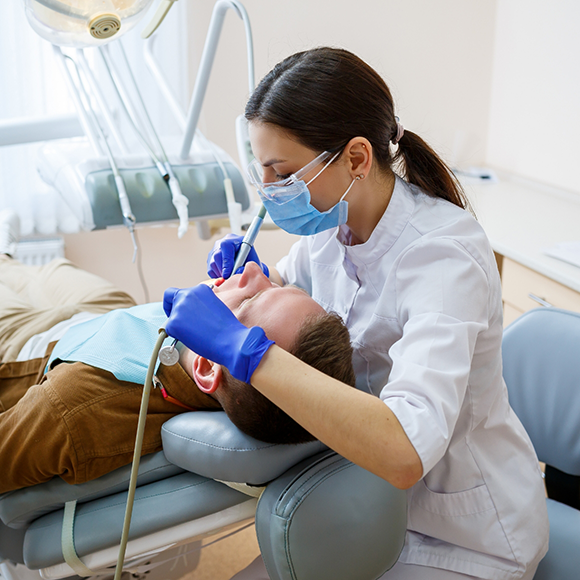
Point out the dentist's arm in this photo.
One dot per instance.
(357, 425)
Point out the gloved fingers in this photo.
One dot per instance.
(220, 260)
(168, 298)
(197, 314)
(228, 259)
(214, 262)
(214, 266)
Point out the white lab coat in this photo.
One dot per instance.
(422, 301)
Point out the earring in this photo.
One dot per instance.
(361, 176)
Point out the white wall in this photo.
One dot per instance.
(484, 81)
(435, 56)
(535, 112)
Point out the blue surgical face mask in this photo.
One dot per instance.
(290, 208)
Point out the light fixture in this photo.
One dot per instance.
(83, 23)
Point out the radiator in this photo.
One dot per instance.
(39, 251)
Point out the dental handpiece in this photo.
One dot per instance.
(249, 239)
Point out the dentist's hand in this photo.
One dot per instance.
(201, 321)
(221, 260)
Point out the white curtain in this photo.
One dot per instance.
(31, 85)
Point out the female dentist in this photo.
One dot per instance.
(389, 245)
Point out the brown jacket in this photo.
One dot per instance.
(79, 422)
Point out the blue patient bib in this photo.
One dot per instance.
(120, 341)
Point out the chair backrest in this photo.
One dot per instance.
(328, 519)
(320, 518)
(541, 367)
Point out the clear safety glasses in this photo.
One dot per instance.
(269, 190)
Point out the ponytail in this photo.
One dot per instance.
(326, 96)
(420, 165)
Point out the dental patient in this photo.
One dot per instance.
(75, 351)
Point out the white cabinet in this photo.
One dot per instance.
(521, 219)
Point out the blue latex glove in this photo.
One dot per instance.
(221, 260)
(201, 321)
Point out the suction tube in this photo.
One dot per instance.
(137, 453)
(243, 252)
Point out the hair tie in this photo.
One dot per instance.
(399, 134)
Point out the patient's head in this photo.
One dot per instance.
(297, 324)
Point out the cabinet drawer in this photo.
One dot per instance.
(518, 282)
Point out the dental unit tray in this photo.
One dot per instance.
(87, 184)
(100, 178)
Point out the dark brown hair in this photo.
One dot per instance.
(324, 343)
(324, 97)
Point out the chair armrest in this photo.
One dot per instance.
(328, 519)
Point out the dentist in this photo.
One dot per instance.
(389, 246)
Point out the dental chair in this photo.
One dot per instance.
(542, 371)
(317, 515)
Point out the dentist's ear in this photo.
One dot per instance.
(358, 154)
(207, 374)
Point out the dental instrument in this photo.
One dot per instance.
(249, 239)
(80, 177)
(128, 216)
(168, 356)
(129, 110)
(179, 201)
(82, 101)
(234, 207)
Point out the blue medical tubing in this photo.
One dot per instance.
(249, 239)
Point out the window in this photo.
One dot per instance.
(33, 87)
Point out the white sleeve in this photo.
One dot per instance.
(442, 297)
(295, 267)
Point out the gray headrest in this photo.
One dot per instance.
(208, 443)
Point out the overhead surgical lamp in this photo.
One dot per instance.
(84, 23)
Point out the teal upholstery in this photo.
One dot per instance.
(541, 358)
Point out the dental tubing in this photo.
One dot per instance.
(137, 453)
(243, 252)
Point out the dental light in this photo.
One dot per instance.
(84, 23)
